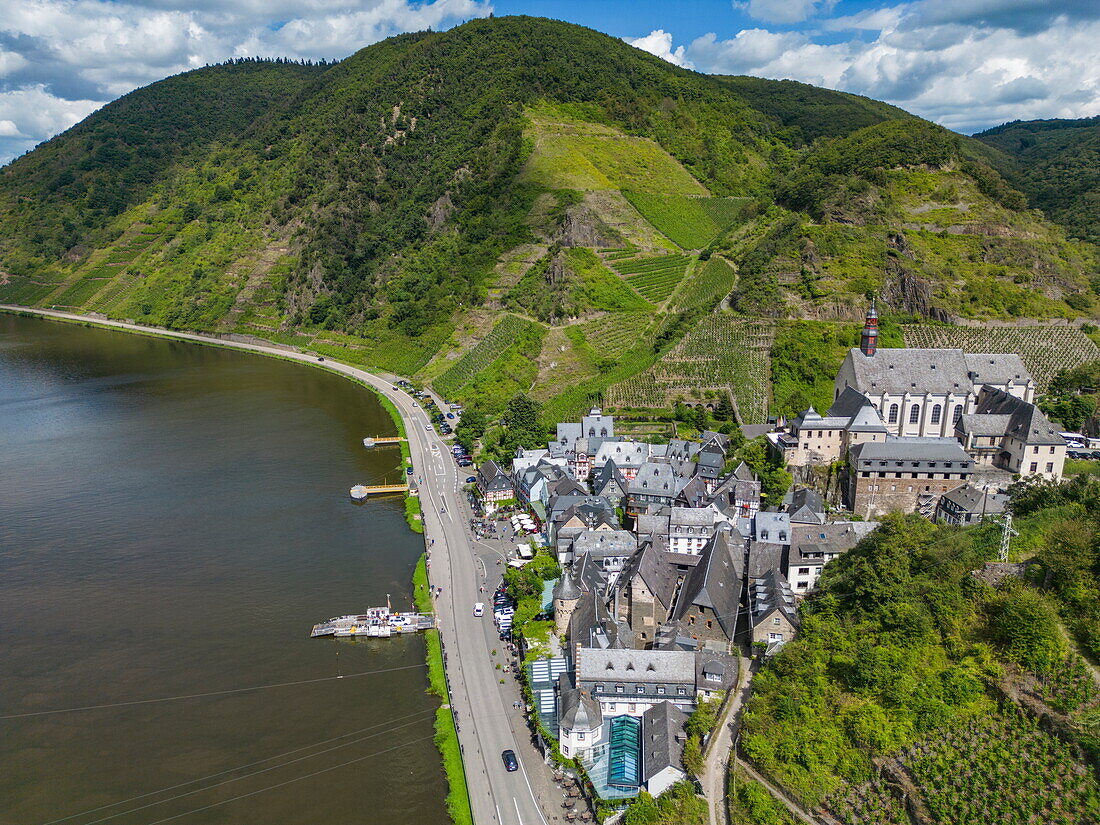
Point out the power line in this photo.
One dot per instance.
(208, 694)
(232, 770)
(291, 781)
(250, 775)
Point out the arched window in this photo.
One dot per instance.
(936, 410)
(893, 414)
(914, 414)
(957, 414)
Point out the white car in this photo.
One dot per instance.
(479, 610)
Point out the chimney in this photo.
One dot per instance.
(868, 341)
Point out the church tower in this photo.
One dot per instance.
(868, 342)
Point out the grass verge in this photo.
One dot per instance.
(446, 737)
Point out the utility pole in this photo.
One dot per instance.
(1006, 536)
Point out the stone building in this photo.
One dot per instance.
(906, 474)
(1011, 434)
(773, 610)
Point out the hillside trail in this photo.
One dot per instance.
(716, 758)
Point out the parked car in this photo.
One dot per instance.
(408, 471)
(510, 762)
(479, 609)
(450, 415)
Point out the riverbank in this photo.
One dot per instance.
(279, 352)
(446, 735)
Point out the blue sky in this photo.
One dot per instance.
(967, 64)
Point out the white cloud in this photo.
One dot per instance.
(783, 11)
(968, 71)
(30, 115)
(659, 42)
(79, 52)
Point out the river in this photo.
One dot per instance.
(173, 520)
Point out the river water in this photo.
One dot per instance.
(173, 520)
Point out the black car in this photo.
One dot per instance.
(510, 762)
(408, 471)
(471, 479)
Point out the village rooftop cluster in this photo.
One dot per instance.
(673, 567)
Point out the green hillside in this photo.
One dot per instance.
(397, 207)
(911, 674)
(1056, 163)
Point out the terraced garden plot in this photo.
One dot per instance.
(79, 292)
(653, 278)
(612, 335)
(708, 283)
(1002, 769)
(689, 222)
(722, 354)
(493, 346)
(1045, 350)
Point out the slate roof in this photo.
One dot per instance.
(623, 453)
(654, 480)
(912, 449)
(772, 526)
(603, 543)
(715, 583)
(806, 506)
(662, 739)
(765, 556)
(718, 664)
(691, 517)
(651, 666)
(971, 499)
(898, 371)
(578, 709)
(694, 493)
(656, 570)
(769, 592)
(605, 476)
(1026, 421)
(983, 425)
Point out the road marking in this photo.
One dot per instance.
(531, 790)
(520, 818)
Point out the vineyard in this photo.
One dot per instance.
(707, 284)
(689, 222)
(868, 804)
(1045, 350)
(998, 768)
(721, 354)
(653, 278)
(612, 335)
(493, 346)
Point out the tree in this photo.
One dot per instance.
(471, 427)
(724, 410)
(693, 756)
(1022, 623)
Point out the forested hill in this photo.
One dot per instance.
(1057, 165)
(446, 205)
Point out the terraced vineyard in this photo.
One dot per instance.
(507, 331)
(724, 353)
(999, 769)
(653, 278)
(1003, 769)
(868, 804)
(707, 284)
(612, 335)
(1044, 349)
(689, 222)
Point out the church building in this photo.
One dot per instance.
(924, 392)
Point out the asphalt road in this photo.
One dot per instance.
(487, 723)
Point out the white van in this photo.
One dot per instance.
(479, 609)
